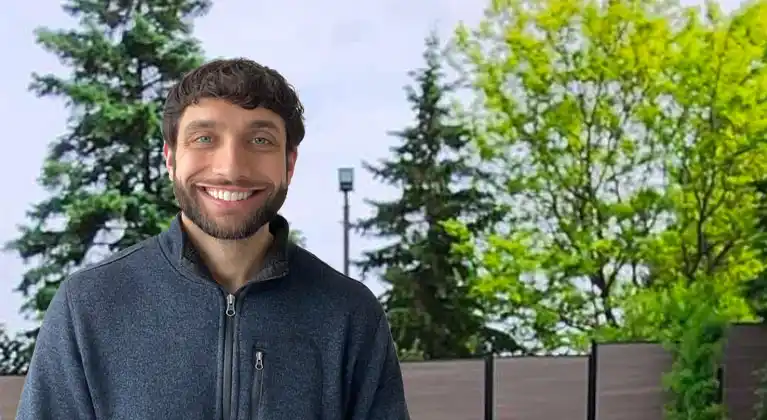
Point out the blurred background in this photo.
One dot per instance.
(523, 183)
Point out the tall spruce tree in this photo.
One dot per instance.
(431, 312)
(15, 353)
(105, 176)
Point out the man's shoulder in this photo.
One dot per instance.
(331, 287)
(115, 266)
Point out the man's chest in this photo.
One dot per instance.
(258, 363)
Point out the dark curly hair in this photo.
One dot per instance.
(242, 82)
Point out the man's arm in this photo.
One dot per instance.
(378, 392)
(55, 386)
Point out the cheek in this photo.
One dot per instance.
(279, 168)
(181, 170)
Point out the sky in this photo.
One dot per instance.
(348, 60)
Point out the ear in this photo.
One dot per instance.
(291, 163)
(168, 155)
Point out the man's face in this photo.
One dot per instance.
(230, 168)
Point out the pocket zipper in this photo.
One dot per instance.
(258, 386)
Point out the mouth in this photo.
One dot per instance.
(229, 195)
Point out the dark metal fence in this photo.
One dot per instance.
(553, 388)
(628, 380)
(616, 381)
(745, 353)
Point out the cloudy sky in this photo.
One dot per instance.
(348, 59)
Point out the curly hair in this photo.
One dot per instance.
(241, 82)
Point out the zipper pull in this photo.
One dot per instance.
(259, 360)
(230, 305)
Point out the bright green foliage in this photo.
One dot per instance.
(690, 322)
(626, 138)
(431, 312)
(105, 176)
(757, 288)
(693, 382)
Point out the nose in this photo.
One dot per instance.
(230, 161)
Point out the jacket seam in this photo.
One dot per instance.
(386, 378)
(111, 259)
(72, 322)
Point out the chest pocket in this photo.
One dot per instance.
(286, 380)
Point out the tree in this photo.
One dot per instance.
(628, 136)
(756, 290)
(431, 311)
(297, 237)
(104, 176)
(15, 353)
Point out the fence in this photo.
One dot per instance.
(616, 381)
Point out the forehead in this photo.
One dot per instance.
(228, 116)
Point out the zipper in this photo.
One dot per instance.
(257, 389)
(229, 353)
(228, 356)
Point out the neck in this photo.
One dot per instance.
(232, 263)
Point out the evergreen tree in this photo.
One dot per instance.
(105, 176)
(297, 237)
(15, 353)
(431, 312)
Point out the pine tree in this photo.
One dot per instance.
(297, 237)
(431, 312)
(15, 353)
(105, 175)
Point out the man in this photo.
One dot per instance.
(220, 316)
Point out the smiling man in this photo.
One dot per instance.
(220, 316)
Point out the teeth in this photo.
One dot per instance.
(228, 195)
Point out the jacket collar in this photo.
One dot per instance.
(175, 240)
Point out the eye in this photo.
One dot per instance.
(203, 139)
(260, 141)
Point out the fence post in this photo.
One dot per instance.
(489, 386)
(591, 394)
(720, 384)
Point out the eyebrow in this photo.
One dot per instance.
(198, 125)
(264, 124)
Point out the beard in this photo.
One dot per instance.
(189, 202)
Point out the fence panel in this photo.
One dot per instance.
(10, 393)
(630, 381)
(541, 388)
(745, 352)
(450, 390)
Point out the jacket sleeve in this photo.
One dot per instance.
(378, 391)
(55, 386)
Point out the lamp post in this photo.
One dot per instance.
(346, 185)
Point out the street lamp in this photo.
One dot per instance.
(346, 185)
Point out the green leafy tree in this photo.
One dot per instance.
(756, 290)
(690, 322)
(432, 313)
(628, 136)
(105, 176)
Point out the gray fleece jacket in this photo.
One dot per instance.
(147, 334)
